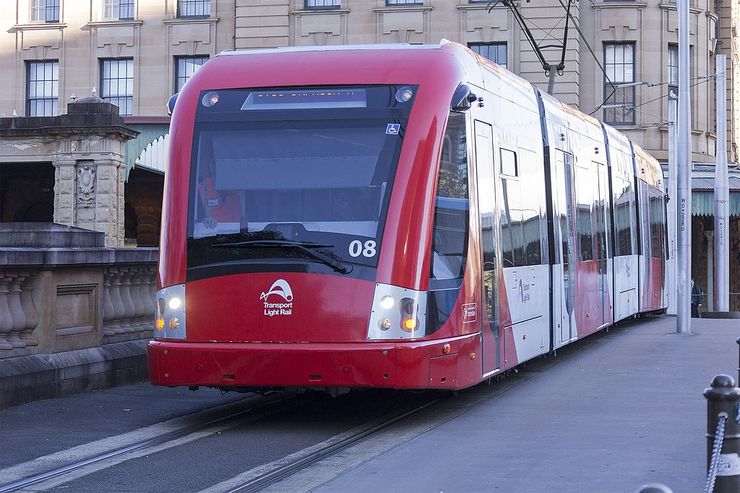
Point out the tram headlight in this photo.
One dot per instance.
(170, 317)
(387, 302)
(210, 99)
(404, 94)
(397, 313)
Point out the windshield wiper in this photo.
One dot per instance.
(304, 246)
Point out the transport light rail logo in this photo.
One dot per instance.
(282, 289)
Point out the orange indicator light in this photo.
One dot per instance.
(410, 324)
(446, 349)
(160, 324)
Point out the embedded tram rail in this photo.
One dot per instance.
(77, 467)
(222, 416)
(278, 473)
(607, 414)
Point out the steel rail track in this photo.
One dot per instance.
(143, 444)
(284, 471)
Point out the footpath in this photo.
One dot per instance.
(608, 414)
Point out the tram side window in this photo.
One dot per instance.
(450, 233)
(657, 225)
(586, 185)
(645, 238)
(624, 214)
(521, 236)
(531, 197)
(512, 237)
(599, 210)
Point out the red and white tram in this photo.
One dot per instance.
(391, 216)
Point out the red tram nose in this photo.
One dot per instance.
(283, 307)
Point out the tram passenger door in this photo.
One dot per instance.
(602, 244)
(564, 225)
(486, 207)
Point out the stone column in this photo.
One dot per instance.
(64, 192)
(99, 198)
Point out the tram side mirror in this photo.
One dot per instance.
(171, 104)
(462, 98)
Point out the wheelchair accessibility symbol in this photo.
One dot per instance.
(393, 129)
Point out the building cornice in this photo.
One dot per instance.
(472, 6)
(99, 24)
(410, 8)
(46, 26)
(319, 11)
(191, 20)
(619, 5)
(672, 6)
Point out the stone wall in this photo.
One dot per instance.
(73, 313)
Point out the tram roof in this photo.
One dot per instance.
(359, 47)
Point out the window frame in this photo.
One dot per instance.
(322, 4)
(628, 99)
(119, 10)
(403, 3)
(194, 4)
(672, 56)
(495, 44)
(178, 59)
(115, 99)
(54, 88)
(37, 7)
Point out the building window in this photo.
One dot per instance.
(404, 2)
(619, 90)
(194, 8)
(673, 69)
(117, 83)
(44, 10)
(43, 88)
(119, 9)
(496, 52)
(185, 67)
(323, 4)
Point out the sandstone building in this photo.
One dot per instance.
(619, 64)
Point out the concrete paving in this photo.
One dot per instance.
(608, 414)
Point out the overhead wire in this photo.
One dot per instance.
(613, 86)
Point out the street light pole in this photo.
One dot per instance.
(721, 199)
(683, 257)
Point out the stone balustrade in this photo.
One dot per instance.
(128, 302)
(62, 290)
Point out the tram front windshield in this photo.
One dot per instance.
(296, 177)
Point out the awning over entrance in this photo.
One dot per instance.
(702, 203)
(150, 150)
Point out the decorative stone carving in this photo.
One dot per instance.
(86, 186)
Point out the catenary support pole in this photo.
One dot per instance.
(721, 199)
(683, 254)
(673, 201)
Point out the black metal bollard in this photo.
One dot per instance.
(723, 435)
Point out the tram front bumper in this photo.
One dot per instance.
(270, 365)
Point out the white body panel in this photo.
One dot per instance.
(527, 291)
